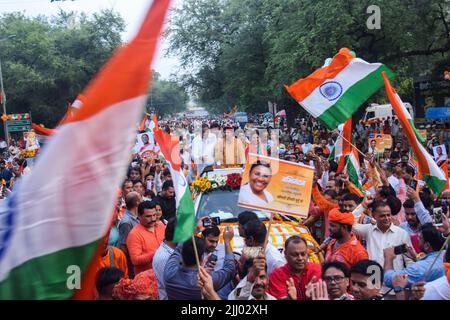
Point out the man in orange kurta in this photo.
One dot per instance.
(145, 238)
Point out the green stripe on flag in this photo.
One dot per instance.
(353, 175)
(185, 218)
(417, 133)
(354, 97)
(46, 277)
(435, 184)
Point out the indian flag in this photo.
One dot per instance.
(342, 145)
(170, 149)
(353, 168)
(334, 92)
(433, 176)
(52, 225)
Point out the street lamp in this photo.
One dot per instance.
(2, 91)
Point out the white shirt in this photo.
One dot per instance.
(438, 289)
(395, 183)
(203, 149)
(3, 145)
(306, 147)
(243, 291)
(246, 195)
(274, 258)
(377, 241)
(160, 259)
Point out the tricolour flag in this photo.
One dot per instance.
(353, 168)
(170, 149)
(334, 92)
(52, 225)
(342, 145)
(433, 176)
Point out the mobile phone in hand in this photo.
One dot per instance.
(401, 249)
(438, 216)
(212, 258)
(413, 184)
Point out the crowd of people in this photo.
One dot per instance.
(385, 244)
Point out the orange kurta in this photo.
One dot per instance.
(142, 245)
(120, 260)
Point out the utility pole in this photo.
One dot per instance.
(2, 91)
(3, 97)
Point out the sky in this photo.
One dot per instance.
(132, 11)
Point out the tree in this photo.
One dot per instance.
(50, 60)
(242, 52)
(166, 97)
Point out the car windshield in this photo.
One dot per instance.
(223, 204)
(370, 115)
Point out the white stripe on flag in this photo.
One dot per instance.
(357, 69)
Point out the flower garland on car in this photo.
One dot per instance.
(222, 182)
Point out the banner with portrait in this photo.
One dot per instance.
(440, 154)
(31, 141)
(379, 142)
(276, 185)
(144, 141)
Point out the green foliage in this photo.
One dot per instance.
(166, 97)
(243, 51)
(48, 61)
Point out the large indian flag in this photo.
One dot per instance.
(433, 176)
(51, 226)
(334, 92)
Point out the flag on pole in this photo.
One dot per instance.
(353, 168)
(334, 92)
(170, 148)
(432, 174)
(52, 225)
(342, 146)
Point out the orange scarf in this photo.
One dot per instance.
(447, 266)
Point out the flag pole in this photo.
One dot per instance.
(196, 252)
(360, 152)
(268, 231)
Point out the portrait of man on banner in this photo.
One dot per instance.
(275, 185)
(440, 154)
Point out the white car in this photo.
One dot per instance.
(224, 204)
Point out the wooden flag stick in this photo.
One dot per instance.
(268, 231)
(360, 152)
(196, 252)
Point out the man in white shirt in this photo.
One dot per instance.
(383, 235)
(306, 147)
(203, 149)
